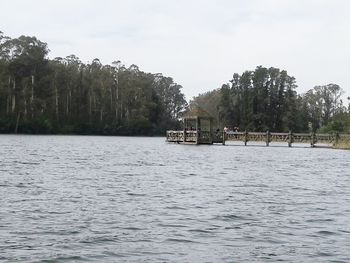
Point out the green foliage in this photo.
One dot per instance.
(333, 127)
(265, 99)
(260, 100)
(209, 101)
(64, 95)
(7, 125)
(339, 123)
(38, 125)
(323, 104)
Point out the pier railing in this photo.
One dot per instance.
(290, 138)
(190, 137)
(206, 137)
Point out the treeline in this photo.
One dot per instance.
(265, 99)
(64, 95)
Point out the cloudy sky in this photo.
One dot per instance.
(198, 43)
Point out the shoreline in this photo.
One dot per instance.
(342, 146)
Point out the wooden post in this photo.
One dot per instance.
(336, 138)
(210, 131)
(245, 138)
(290, 139)
(197, 133)
(313, 141)
(267, 138)
(185, 129)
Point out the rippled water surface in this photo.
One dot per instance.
(122, 199)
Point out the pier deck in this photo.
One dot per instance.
(198, 137)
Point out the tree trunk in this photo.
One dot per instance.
(117, 98)
(111, 92)
(18, 116)
(121, 111)
(70, 101)
(95, 103)
(25, 109)
(67, 104)
(14, 97)
(32, 98)
(8, 105)
(8, 100)
(56, 102)
(90, 106)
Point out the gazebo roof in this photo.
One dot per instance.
(197, 112)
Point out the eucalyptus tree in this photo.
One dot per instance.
(330, 100)
(259, 100)
(171, 99)
(66, 95)
(210, 102)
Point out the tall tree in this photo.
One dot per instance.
(66, 95)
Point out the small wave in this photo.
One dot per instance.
(172, 225)
(59, 212)
(97, 240)
(27, 163)
(179, 240)
(22, 185)
(156, 253)
(176, 207)
(230, 217)
(133, 228)
(324, 254)
(143, 163)
(24, 247)
(136, 194)
(319, 220)
(118, 255)
(63, 259)
(232, 227)
(200, 231)
(326, 233)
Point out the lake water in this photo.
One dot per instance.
(122, 199)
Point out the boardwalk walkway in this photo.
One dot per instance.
(205, 137)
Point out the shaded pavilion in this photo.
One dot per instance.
(198, 126)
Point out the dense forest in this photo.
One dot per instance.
(64, 95)
(265, 99)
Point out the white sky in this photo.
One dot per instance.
(198, 43)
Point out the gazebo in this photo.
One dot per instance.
(197, 127)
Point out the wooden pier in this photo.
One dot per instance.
(198, 130)
(198, 137)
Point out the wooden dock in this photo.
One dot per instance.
(198, 137)
(198, 129)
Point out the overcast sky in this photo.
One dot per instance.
(198, 43)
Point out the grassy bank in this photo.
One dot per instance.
(342, 145)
